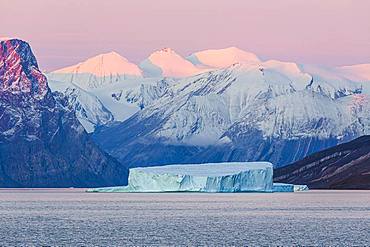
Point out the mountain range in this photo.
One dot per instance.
(220, 105)
(212, 106)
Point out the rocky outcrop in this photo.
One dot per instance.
(42, 144)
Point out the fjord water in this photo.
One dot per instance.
(73, 217)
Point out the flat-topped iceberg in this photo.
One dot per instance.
(211, 177)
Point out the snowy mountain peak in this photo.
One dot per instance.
(19, 71)
(5, 38)
(98, 71)
(166, 62)
(103, 65)
(222, 58)
(110, 56)
(166, 50)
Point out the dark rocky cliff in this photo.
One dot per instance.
(345, 166)
(42, 144)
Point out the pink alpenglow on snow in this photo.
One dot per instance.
(222, 58)
(5, 38)
(103, 65)
(356, 72)
(168, 63)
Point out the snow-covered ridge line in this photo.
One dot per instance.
(222, 58)
(167, 63)
(105, 64)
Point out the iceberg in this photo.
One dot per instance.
(300, 187)
(210, 177)
(281, 187)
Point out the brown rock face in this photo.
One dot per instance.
(346, 166)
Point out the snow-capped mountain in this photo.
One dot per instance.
(359, 72)
(272, 111)
(98, 71)
(216, 104)
(114, 102)
(222, 58)
(97, 98)
(42, 144)
(107, 88)
(167, 63)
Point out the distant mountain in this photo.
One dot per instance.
(167, 63)
(356, 72)
(222, 58)
(221, 105)
(42, 144)
(346, 166)
(272, 111)
(98, 71)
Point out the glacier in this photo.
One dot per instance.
(210, 177)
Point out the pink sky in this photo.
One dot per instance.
(329, 32)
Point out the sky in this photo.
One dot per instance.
(62, 33)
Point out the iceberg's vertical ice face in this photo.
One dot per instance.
(213, 177)
(281, 187)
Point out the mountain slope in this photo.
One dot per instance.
(89, 110)
(272, 111)
(346, 166)
(167, 63)
(98, 71)
(42, 144)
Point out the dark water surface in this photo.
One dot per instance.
(71, 217)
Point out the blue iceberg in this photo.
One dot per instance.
(210, 177)
(281, 187)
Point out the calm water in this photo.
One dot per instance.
(71, 217)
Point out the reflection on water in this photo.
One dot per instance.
(72, 217)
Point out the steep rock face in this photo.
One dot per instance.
(272, 111)
(42, 144)
(19, 71)
(346, 166)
